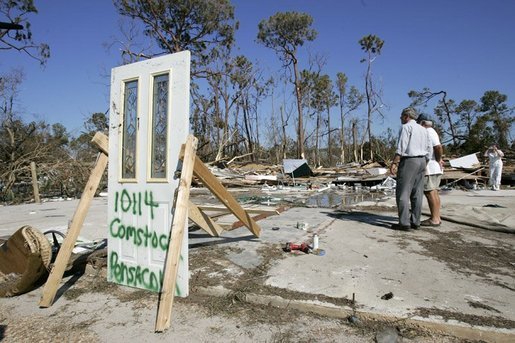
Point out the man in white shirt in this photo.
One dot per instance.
(409, 164)
(434, 171)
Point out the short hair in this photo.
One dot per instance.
(423, 120)
(410, 112)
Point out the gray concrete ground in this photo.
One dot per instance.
(458, 278)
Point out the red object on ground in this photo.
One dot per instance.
(302, 247)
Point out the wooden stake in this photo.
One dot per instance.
(174, 248)
(65, 251)
(35, 186)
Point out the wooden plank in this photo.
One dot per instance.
(260, 216)
(220, 214)
(102, 142)
(213, 184)
(203, 220)
(248, 210)
(174, 248)
(65, 251)
(239, 223)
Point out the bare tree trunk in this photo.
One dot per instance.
(317, 138)
(342, 144)
(257, 145)
(35, 186)
(300, 127)
(329, 141)
(248, 129)
(342, 131)
(341, 81)
(369, 110)
(236, 148)
(448, 114)
(225, 98)
(275, 138)
(284, 136)
(275, 131)
(355, 139)
(220, 137)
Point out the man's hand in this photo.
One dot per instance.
(395, 165)
(393, 168)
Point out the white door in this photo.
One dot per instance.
(149, 120)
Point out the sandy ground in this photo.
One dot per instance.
(454, 283)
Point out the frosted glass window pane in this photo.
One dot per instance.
(159, 126)
(130, 125)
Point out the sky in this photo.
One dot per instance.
(464, 47)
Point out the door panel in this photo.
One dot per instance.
(149, 120)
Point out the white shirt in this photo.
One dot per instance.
(494, 157)
(413, 141)
(433, 167)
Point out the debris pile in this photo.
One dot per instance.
(467, 172)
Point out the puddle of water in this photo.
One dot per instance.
(327, 199)
(335, 199)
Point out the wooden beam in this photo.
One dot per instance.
(260, 216)
(248, 210)
(263, 215)
(180, 218)
(203, 220)
(213, 184)
(102, 142)
(65, 251)
(220, 214)
(239, 224)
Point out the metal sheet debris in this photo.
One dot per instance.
(468, 161)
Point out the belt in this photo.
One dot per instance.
(412, 156)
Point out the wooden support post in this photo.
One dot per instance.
(215, 186)
(180, 218)
(65, 251)
(203, 220)
(35, 186)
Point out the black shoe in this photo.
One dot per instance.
(415, 227)
(400, 227)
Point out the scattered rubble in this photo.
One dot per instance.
(268, 191)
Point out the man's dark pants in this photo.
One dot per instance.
(410, 190)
